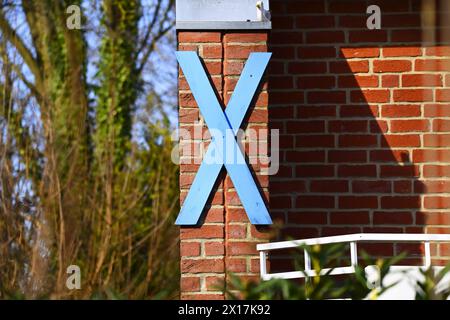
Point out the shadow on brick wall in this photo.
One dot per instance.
(356, 110)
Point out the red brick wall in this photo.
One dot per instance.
(226, 241)
(364, 119)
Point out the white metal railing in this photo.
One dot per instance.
(353, 239)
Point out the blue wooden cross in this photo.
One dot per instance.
(223, 123)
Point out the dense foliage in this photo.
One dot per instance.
(86, 176)
(356, 286)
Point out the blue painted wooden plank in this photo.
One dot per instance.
(246, 87)
(201, 89)
(226, 123)
(199, 193)
(251, 200)
(207, 174)
(246, 187)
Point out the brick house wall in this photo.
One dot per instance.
(225, 241)
(364, 120)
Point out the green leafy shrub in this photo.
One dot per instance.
(321, 286)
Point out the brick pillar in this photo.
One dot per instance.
(225, 241)
(241, 236)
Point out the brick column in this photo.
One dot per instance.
(225, 241)
(241, 236)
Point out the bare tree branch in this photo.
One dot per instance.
(149, 28)
(18, 71)
(12, 36)
(162, 30)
